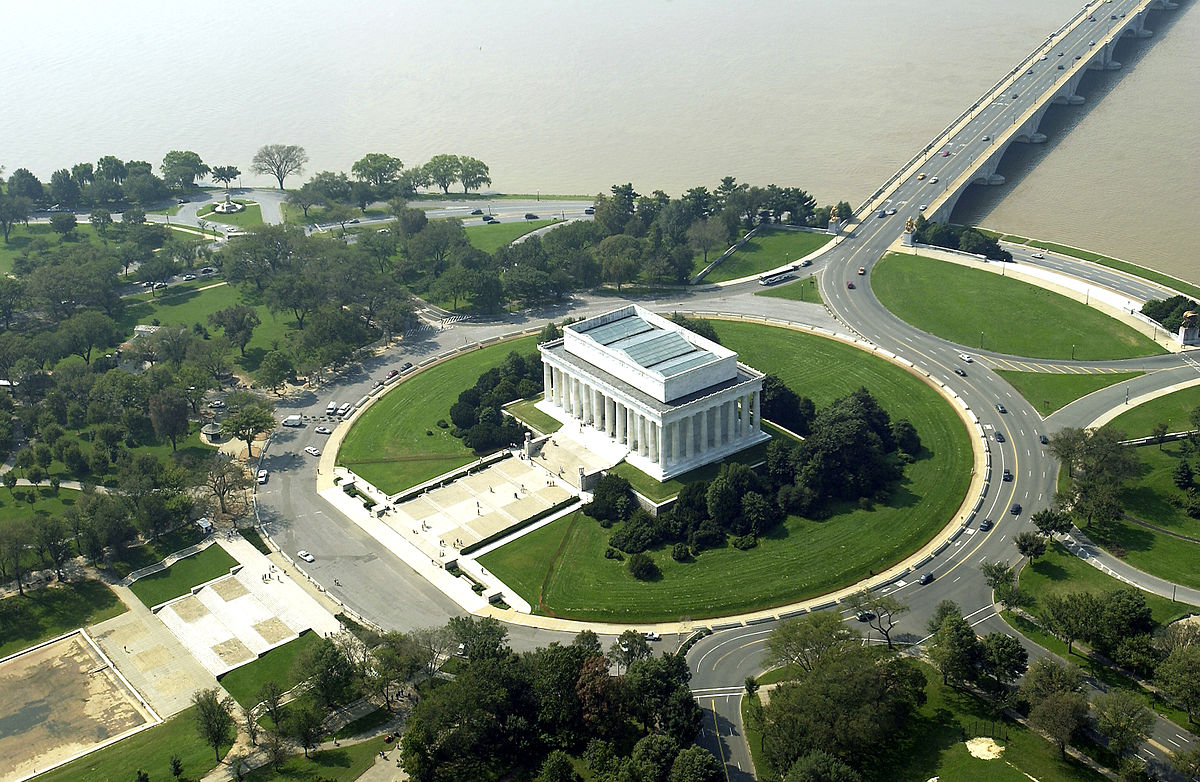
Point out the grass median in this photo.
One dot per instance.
(490, 238)
(979, 309)
(397, 443)
(560, 569)
(805, 290)
(769, 249)
(1050, 391)
(1173, 409)
(180, 577)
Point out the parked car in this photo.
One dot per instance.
(189, 277)
(262, 476)
(217, 404)
(323, 430)
(653, 636)
(308, 449)
(207, 270)
(391, 374)
(407, 365)
(302, 554)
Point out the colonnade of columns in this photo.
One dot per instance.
(685, 435)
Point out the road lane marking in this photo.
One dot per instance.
(717, 730)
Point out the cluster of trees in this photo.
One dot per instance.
(1099, 466)
(377, 176)
(476, 415)
(532, 712)
(959, 237)
(852, 452)
(1169, 312)
(844, 708)
(1184, 474)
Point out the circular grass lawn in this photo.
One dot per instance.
(968, 306)
(561, 570)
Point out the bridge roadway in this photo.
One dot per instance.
(377, 585)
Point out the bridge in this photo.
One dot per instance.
(968, 152)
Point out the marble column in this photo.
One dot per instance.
(675, 441)
(729, 408)
(652, 444)
(643, 436)
(610, 416)
(598, 409)
(662, 451)
(547, 381)
(703, 431)
(757, 412)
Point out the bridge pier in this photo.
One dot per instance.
(1028, 132)
(1103, 61)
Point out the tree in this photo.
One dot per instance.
(886, 609)
(277, 746)
(1187, 762)
(1070, 616)
(214, 722)
(557, 767)
(695, 764)
(224, 478)
(481, 638)
(270, 695)
(628, 647)
(378, 169)
(707, 235)
(620, 258)
(304, 724)
(954, 649)
(275, 369)
(182, 168)
(101, 220)
(225, 174)
(1123, 717)
(1030, 544)
(1050, 521)
(63, 223)
(443, 171)
(82, 333)
(305, 197)
(473, 173)
(1059, 715)
(176, 766)
(248, 423)
(279, 161)
(1183, 475)
(1159, 433)
(803, 640)
(328, 672)
(818, 766)
(23, 184)
(13, 210)
(239, 322)
(1004, 657)
(1179, 678)
(1047, 676)
(998, 575)
(169, 414)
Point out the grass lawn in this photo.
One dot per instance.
(802, 558)
(525, 411)
(15, 506)
(1048, 391)
(149, 751)
(244, 683)
(800, 290)
(936, 747)
(47, 613)
(340, 764)
(194, 305)
(388, 446)
(490, 238)
(1113, 263)
(367, 722)
(142, 555)
(1173, 410)
(182, 576)
(768, 249)
(22, 237)
(958, 303)
(256, 540)
(250, 217)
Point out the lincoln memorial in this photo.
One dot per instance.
(673, 399)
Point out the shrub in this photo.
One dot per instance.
(681, 553)
(612, 553)
(441, 422)
(642, 567)
(745, 542)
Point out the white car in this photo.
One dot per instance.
(262, 476)
(1037, 255)
(189, 277)
(216, 403)
(306, 556)
(308, 449)
(965, 357)
(933, 181)
(653, 636)
(323, 430)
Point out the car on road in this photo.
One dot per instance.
(1016, 95)
(589, 210)
(1029, 72)
(323, 430)
(806, 262)
(189, 277)
(1037, 255)
(302, 554)
(881, 213)
(262, 476)
(476, 211)
(985, 525)
(1000, 408)
(159, 286)
(1042, 439)
(965, 357)
(849, 285)
(530, 216)
(864, 616)
(987, 138)
(1060, 66)
(1114, 16)
(1007, 476)
(207, 270)
(1060, 54)
(1015, 509)
(921, 208)
(945, 153)
(1042, 57)
(891, 211)
(1090, 43)
(308, 449)
(862, 270)
(959, 372)
(933, 181)
(999, 437)
(926, 578)
(652, 636)
(920, 177)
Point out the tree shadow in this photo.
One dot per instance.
(1050, 570)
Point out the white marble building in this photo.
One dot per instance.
(673, 399)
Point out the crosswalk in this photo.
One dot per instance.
(1056, 369)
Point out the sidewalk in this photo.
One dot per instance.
(1078, 543)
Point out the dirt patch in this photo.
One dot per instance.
(273, 630)
(232, 652)
(189, 609)
(984, 748)
(152, 658)
(229, 589)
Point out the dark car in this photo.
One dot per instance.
(1007, 474)
(1015, 509)
(864, 616)
(1060, 67)
(476, 211)
(849, 285)
(530, 216)
(999, 437)
(959, 372)
(391, 374)
(1000, 408)
(407, 365)
(589, 211)
(985, 525)
(1042, 439)
(881, 213)
(926, 578)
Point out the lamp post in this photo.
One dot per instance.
(981, 340)
(1072, 352)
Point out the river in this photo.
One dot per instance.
(572, 97)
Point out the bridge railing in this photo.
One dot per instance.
(985, 96)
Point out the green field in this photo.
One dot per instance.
(970, 307)
(1113, 263)
(1049, 391)
(47, 613)
(181, 576)
(490, 238)
(935, 747)
(1174, 410)
(195, 305)
(800, 290)
(339, 764)
(525, 411)
(15, 507)
(768, 249)
(802, 558)
(388, 445)
(250, 217)
(244, 683)
(149, 751)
